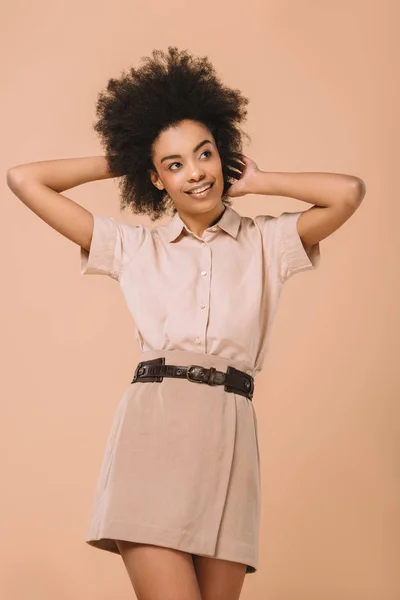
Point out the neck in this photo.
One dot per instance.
(199, 223)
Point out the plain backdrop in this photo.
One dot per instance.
(322, 79)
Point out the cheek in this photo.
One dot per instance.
(218, 166)
(174, 183)
(169, 180)
(177, 182)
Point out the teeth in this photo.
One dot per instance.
(200, 189)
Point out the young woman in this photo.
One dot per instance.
(179, 489)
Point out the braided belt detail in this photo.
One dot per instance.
(233, 380)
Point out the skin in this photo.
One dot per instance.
(159, 573)
(177, 175)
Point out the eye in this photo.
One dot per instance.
(177, 163)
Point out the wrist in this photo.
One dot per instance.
(266, 182)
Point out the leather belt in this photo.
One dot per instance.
(233, 380)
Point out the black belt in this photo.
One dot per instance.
(233, 380)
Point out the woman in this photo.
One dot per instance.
(179, 485)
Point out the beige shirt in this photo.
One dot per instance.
(216, 294)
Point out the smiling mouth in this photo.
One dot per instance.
(201, 194)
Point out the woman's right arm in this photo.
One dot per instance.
(39, 185)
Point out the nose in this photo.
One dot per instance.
(197, 173)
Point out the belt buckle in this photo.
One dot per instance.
(136, 374)
(249, 385)
(251, 391)
(188, 376)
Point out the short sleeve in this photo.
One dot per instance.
(112, 247)
(285, 250)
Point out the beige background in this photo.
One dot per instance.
(322, 79)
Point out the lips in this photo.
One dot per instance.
(193, 191)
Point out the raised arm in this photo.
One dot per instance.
(39, 185)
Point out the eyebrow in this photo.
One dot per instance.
(194, 150)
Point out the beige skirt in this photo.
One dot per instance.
(181, 467)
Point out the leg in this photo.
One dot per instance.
(219, 579)
(159, 573)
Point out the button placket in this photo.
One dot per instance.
(204, 287)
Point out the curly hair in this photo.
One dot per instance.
(136, 108)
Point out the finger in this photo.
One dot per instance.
(238, 156)
(236, 163)
(241, 156)
(236, 173)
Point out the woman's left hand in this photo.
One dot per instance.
(244, 185)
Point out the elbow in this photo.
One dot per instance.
(13, 177)
(357, 191)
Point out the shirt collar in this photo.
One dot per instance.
(229, 222)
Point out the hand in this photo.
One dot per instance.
(249, 170)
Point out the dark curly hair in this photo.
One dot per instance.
(136, 108)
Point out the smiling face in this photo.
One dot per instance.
(185, 157)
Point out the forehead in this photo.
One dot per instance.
(181, 138)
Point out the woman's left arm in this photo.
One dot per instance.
(335, 198)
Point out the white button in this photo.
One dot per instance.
(248, 372)
(203, 244)
(204, 272)
(198, 340)
(203, 306)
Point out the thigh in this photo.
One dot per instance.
(219, 579)
(159, 573)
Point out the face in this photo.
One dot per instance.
(186, 156)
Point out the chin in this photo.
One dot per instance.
(206, 205)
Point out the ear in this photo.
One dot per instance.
(155, 179)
